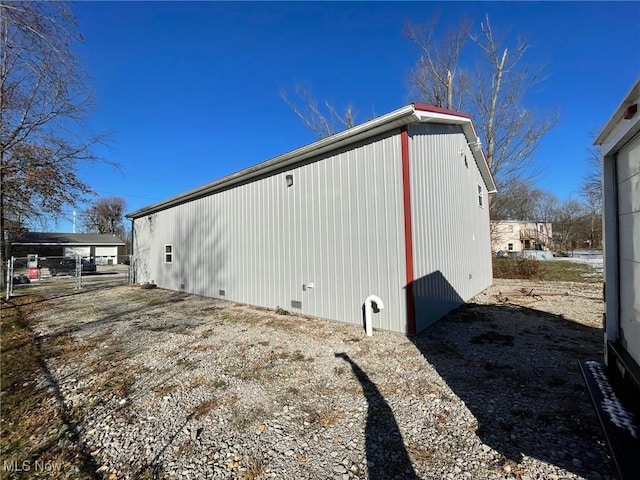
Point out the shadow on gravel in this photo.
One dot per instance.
(85, 463)
(516, 370)
(386, 456)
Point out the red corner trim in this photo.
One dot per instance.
(430, 108)
(408, 236)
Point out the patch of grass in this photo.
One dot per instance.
(184, 449)
(547, 270)
(298, 356)
(564, 271)
(220, 385)
(186, 363)
(419, 454)
(323, 418)
(34, 426)
(255, 467)
(245, 418)
(122, 385)
(204, 407)
(151, 472)
(163, 390)
(204, 348)
(286, 324)
(67, 347)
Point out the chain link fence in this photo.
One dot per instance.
(56, 276)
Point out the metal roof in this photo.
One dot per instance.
(413, 113)
(76, 239)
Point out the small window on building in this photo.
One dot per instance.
(168, 254)
(510, 247)
(480, 196)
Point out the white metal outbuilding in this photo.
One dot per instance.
(396, 207)
(615, 386)
(620, 147)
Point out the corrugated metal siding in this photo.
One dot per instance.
(339, 226)
(451, 244)
(628, 178)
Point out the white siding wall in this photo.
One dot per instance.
(628, 178)
(339, 226)
(451, 241)
(75, 251)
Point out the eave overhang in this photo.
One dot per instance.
(414, 113)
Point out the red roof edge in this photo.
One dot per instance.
(430, 108)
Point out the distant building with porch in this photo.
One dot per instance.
(518, 236)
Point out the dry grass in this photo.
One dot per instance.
(247, 417)
(204, 408)
(26, 407)
(324, 417)
(524, 268)
(420, 453)
(255, 467)
(163, 390)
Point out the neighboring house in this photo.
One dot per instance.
(518, 236)
(615, 388)
(318, 230)
(104, 248)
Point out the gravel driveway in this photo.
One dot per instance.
(161, 384)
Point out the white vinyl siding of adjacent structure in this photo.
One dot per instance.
(628, 179)
(451, 242)
(106, 255)
(339, 227)
(77, 251)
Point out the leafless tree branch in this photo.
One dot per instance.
(321, 123)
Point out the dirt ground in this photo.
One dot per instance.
(161, 384)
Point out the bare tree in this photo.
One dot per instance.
(511, 132)
(437, 78)
(545, 207)
(322, 123)
(567, 222)
(43, 101)
(591, 193)
(106, 215)
(519, 202)
(493, 93)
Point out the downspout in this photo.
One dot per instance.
(368, 311)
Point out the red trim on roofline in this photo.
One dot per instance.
(430, 108)
(408, 233)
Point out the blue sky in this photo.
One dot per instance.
(190, 91)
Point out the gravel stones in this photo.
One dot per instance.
(170, 385)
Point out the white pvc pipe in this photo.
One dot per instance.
(368, 311)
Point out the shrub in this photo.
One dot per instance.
(521, 268)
